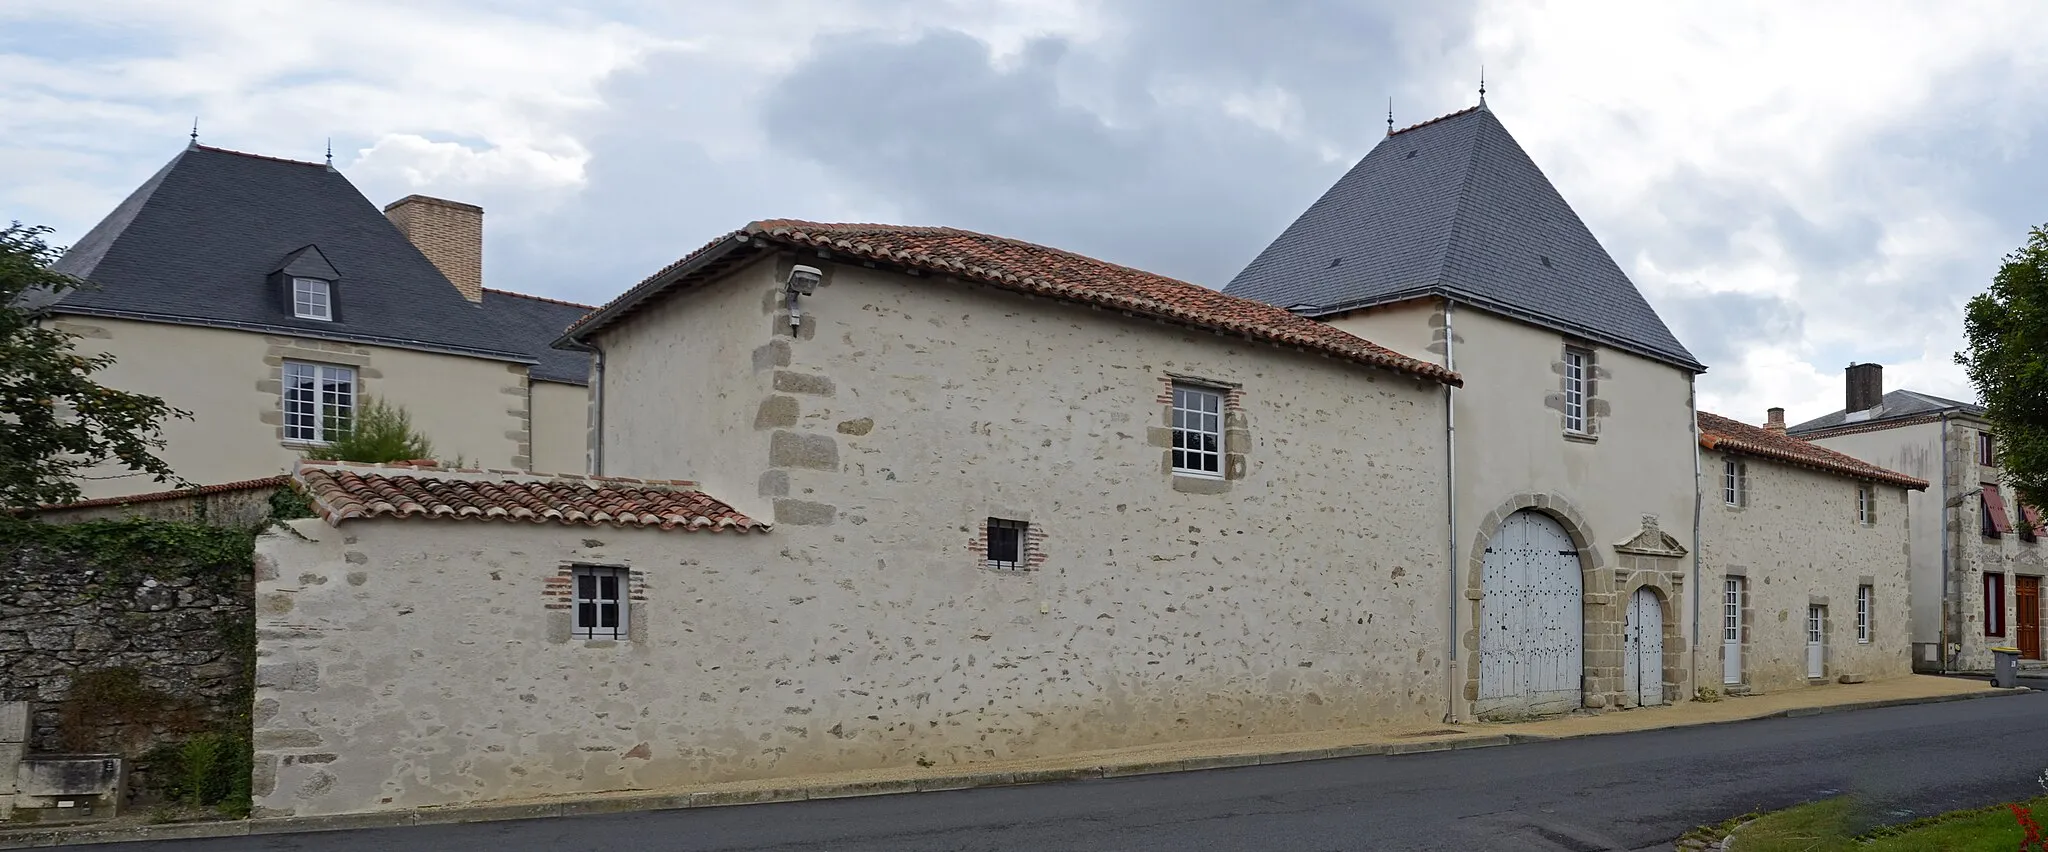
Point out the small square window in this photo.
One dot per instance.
(1006, 544)
(1197, 431)
(1576, 362)
(600, 602)
(1735, 482)
(312, 299)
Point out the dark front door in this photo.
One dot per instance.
(2026, 605)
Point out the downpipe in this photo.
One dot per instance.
(596, 411)
(1452, 673)
(1698, 512)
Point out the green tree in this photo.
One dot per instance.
(56, 422)
(2008, 362)
(377, 433)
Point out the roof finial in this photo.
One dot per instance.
(1482, 86)
(1390, 116)
(330, 152)
(195, 130)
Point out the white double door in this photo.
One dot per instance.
(1531, 624)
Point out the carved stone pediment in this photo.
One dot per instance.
(1652, 542)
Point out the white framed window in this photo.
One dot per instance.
(1006, 545)
(1197, 431)
(1731, 610)
(1735, 482)
(599, 602)
(319, 400)
(1863, 596)
(1866, 505)
(1575, 363)
(311, 299)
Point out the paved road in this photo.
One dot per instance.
(1624, 792)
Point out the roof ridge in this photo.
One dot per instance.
(941, 229)
(428, 469)
(541, 299)
(217, 150)
(1444, 117)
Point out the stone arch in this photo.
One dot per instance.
(1677, 674)
(1601, 660)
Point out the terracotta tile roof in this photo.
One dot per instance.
(342, 491)
(159, 496)
(1725, 435)
(1028, 268)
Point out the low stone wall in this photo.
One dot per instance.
(232, 504)
(124, 635)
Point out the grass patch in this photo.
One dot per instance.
(1829, 826)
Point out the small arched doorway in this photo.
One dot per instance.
(1531, 628)
(1643, 649)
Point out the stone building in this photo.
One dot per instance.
(267, 297)
(1431, 458)
(1976, 561)
(1803, 556)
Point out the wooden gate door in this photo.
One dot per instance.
(2026, 605)
(1643, 657)
(1531, 621)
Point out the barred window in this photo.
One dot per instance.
(1006, 544)
(600, 602)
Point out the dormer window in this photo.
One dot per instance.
(312, 299)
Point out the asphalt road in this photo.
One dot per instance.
(1624, 792)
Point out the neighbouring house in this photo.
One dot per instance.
(1976, 554)
(1024, 503)
(1805, 548)
(1572, 436)
(268, 296)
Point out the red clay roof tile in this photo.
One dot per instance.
(1723, 434)
(1030, 268)
(343, 491)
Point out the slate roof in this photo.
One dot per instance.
(1893, 406)
(197, 242)
(534, 322)
(1019, 266)
(343, 491)
(1727, 435)
(1454, 207)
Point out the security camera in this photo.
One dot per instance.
(803, 280)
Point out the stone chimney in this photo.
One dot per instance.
(1865, 386)
(449, 233)
(1775, 420)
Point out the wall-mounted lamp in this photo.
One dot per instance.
(803, 281)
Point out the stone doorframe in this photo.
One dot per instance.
(1677, 678)
(1601, 654)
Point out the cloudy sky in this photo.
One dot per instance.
(1793, 186)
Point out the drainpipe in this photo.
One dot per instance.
(1698, 508)
(1951, 591)
(1451, 671)
(596, 410)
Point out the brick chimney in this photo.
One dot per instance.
(1775, 419)
(449, 233)
(1865, 386)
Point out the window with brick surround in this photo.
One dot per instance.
(1007, 545)
(1863, 602)
(599, 596)
(1735, 482)
(1577, 364)
(1994, 604)
(1197, 430)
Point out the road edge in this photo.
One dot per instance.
(28, 838)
